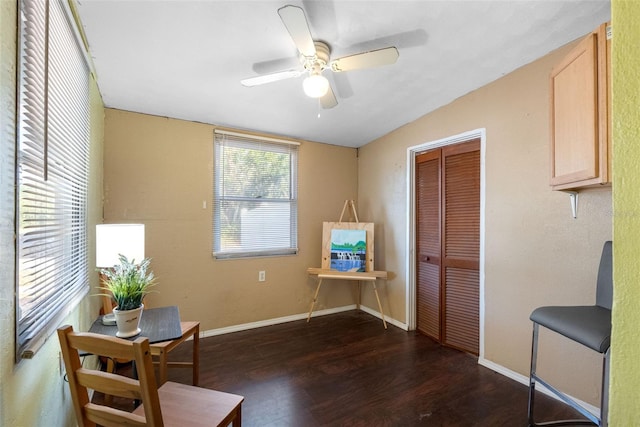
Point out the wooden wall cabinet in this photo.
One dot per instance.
(580, 114)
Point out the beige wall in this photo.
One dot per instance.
(535, 252)
(159, 171)
(33, 392)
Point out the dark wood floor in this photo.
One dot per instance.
(346, 370)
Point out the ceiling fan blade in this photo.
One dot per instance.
(374, 58)
(295, 20)
(328, 100)
(275, 65)
(269, 78)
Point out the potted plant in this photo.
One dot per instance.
(128, 283)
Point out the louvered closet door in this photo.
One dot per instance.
(461, 245)
(428, 243)
(448, 244)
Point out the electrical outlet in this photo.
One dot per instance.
(262, 276)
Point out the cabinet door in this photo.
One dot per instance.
(579, 124)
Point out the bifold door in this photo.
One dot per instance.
(448, 244)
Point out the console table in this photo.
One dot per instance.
(165, 331)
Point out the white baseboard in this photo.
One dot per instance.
(389, 320)
(276, 321)
(301, 316)
(525, 380)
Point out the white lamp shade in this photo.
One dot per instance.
(115, 239)
(315, 86)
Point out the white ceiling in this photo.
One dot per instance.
(185, 59)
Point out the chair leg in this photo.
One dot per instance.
(532, 373)
(604, 397)
(533, 378)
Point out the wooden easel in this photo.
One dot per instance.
(325, 272)
(352, 205)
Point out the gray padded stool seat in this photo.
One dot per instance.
(587, 325)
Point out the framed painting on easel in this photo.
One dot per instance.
(348, 250)
(347, 246)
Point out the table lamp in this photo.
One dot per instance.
(113, 240)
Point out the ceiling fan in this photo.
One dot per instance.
(315, 57)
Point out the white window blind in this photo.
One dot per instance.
(255, 196)
(52, 172)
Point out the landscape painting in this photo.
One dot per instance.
(348, 250)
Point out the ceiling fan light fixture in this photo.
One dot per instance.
(315, 86)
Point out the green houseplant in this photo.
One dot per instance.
(127, 284)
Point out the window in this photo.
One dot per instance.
(255, 209)
(52, 172)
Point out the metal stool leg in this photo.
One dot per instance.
(533, 378)
(532, 373)
(604, 398)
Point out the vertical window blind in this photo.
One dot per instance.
(255, 196)
(52, 172)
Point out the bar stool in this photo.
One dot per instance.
(587, 325)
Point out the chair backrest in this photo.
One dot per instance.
(80, 379)
(604, 287)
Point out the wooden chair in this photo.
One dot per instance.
(161, 350)
(172, 404)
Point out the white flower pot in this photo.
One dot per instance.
(128, 321)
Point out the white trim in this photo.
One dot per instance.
(539, 387)
(294, 317)
(389, 320)
(252, 136)
(271, 322)
(410, 239)
(73, 24)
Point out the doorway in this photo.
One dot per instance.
(446, 240)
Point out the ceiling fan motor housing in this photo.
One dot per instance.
(315, 64)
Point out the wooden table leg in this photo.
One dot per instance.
(196, 355)
(237, 421)
(161, 350)
(111, 368)
(379, 305)
(315, 297)
(162, 365)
